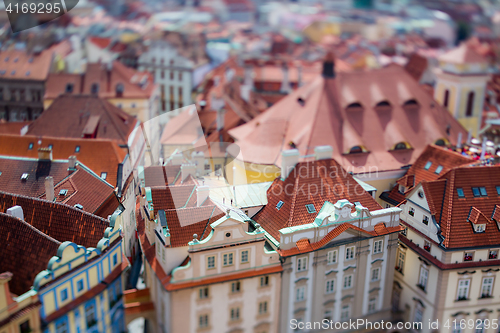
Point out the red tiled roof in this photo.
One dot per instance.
(161, 175)
(135, 84)
(82, 186)
(453, 213)
(312, 182)
(19, 65)
(24, 251)
(325, 119)
(416, 66)
(59, 221)
(12, 127)
(99, 155)
(68, 116)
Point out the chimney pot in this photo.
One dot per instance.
(45, 154)
(49, 188)
(72, 163)
(289, 158)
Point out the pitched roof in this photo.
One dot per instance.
(454, 214)
(135, 84)
(99, 155)
(416, 66)
(161, 175)
(184, 129)
(56, 220)
(312, 182)
(24, 251)
(82, 186)
(12, 127)
(325, 119)
(70, 116)
(465, 53)
(19, 65)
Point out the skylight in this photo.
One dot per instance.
(104, 175)
(279, 204)
(483, 191)
(498, 190)
(460, 192)
(78, 206)
(24, 176)
(479, 191)
(439, 169)
(30, 146)
(77, 149)
(63, 192)
(310, 208)
(427, 165)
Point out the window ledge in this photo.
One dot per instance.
(462, 299)
(422, 288)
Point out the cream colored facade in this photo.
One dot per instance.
(424, 292)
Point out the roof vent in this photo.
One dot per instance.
(78, 206)
(63, 192)
(25, 176)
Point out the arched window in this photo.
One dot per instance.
(383, 103)
(119, 89)
(470, 105)
(356, 150)
(354, 105)
(440, 142)
(446, 98)
(400, 146)
(411, 102)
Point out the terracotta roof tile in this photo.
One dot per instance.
(304, 245)
(20, 252)
(19, 65)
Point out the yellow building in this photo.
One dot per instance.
(461, 84)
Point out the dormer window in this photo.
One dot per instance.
(479, 227)
(411, 102)
(69, 88)
(401, 189)
(356, 150)
(24, 176)
(119, 89)
(356, 106)
(383, 104)
(401, 146)
(63, 192)
(498, 190)
(310, 208)
(468, 256)
(94, 88)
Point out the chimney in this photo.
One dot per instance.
(72, 163)
(220, 119)
(323, 152)
(299, 76)
(177, 159)
(186, 170)
(45, 154)
(289, 158)
(16, 211)
(285, 84)
(199, 159)
(202, 193)
(49, 188)
(329, 66)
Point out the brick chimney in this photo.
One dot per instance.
(49, 188)
(45, 154)
(289, 158)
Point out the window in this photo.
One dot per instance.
(244, 256)
(479, 326)
(300, 294)
(203, 321)
(487, 287)
(479, 191)
(411, 211)
(372, 305)
(227, 259)
(377, 246)
(77, 149)
(480, 227)
(345, 313)
(301, 264)
(115, 259)
(310, 208)
(262, 307)
(483, 192)
(375, 274)
(51, 146)
(171, 75)
(279, 205)
(30, 146)
(235, 287)
(460, 192)
(356, 150)
(25, 327)
(468, 256)
(348, 282)
(64, 294)
(328, 315)
(425, 220)
(62, 327)
(456, 327)
(498, 190)
(203, 292)
(493, 254)
(264, 281)
(463, 289)
(427, 246)
(79, 285)
(428, 165)
(419, 314)
(438, 169)
(470, 105)
(422, 280)
(235, 313)
(400, 146)
(180, 76)
(349, 253)
(90, 315)
(332, 257)
(401, 261)
(94, 88)
(210, 262)
(330, 286)
(446, 98)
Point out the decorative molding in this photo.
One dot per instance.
(299, 310)
(330, 272)
(483, 310)
(302, 278)
(376, 260)
(461, 313)
(346, 297)
(466, 272)
(351, 266)
(374, 289)
(330, 301)
(490, 270)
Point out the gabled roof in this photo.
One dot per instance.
(465, 53)
(24, 251)
(325, 119)
(454, 214)
(56, 220)
(312, 182)
(81, 185)
(437, 157)
(136, 84)
(99, 155)
(77, 116)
